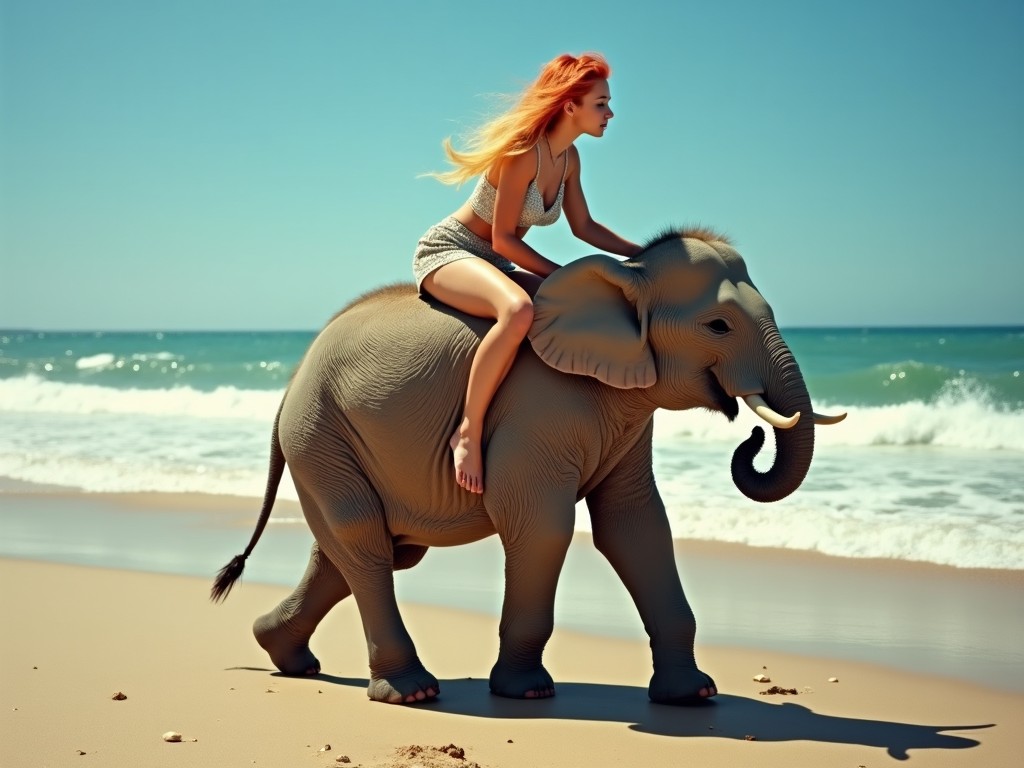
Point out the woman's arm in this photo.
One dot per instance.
(578, 214)
(515, 174)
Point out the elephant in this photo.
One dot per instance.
(363, 428)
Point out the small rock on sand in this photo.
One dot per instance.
(777, 690)
(172, 736)
(118, 696)
(833, 679)
(762, 679)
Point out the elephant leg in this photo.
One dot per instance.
(639, 547)
(284, 632)
(534, 553)
(349, 524)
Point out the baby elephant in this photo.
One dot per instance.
(364, 427)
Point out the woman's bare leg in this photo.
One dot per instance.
(476, 287)
(529, 282)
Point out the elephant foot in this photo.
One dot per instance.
(410, 688)
(521, 684)
(288, 649)
(681, 687)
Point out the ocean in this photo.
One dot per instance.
(929, 465)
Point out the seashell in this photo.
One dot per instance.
(172, 736)
(762, 679)
(833, 679)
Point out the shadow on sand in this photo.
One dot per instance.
(726, 717)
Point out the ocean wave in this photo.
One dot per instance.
(910, 380)
(148, 475)
(832, 529)
(862, 516)
(95, 362)
(905, 482)
(955, 418)
(961, 415)
(34, 394)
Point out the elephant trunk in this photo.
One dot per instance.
(786, 393)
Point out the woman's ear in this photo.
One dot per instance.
(590, 317)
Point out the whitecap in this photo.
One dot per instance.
(95, 362)
(34, 394)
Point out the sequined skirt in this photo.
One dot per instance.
(450, 241)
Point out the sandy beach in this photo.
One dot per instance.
(74, 635)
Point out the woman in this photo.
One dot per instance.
(529, 172)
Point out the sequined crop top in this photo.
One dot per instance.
(534, 214)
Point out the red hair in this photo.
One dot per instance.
(563, 79)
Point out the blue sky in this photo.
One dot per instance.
(253, 165)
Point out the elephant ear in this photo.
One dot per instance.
(590, 317)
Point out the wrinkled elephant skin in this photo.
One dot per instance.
(364, 424)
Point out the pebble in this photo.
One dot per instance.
(833, 679)
(343, 759)
(775, 689)
(119, 696)
(762, 679)
(172, 736)
(325, 748)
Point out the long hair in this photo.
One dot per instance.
(564, 78)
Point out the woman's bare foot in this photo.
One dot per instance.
(469, 468)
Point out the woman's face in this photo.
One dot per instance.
(592, 113)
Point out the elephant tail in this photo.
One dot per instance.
(230, 573)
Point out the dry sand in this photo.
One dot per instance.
(72, 637)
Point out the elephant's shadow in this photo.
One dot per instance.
(727, 717)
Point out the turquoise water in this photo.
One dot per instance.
(928, 465)
(891, 366)
(868, 367)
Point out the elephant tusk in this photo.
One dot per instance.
(757, 404)
(822, 419)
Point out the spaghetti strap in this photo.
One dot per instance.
(565, 167)
(536, 176)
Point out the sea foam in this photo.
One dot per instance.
(33, 394)
(937, 481)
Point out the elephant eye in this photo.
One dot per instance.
(719, 327)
